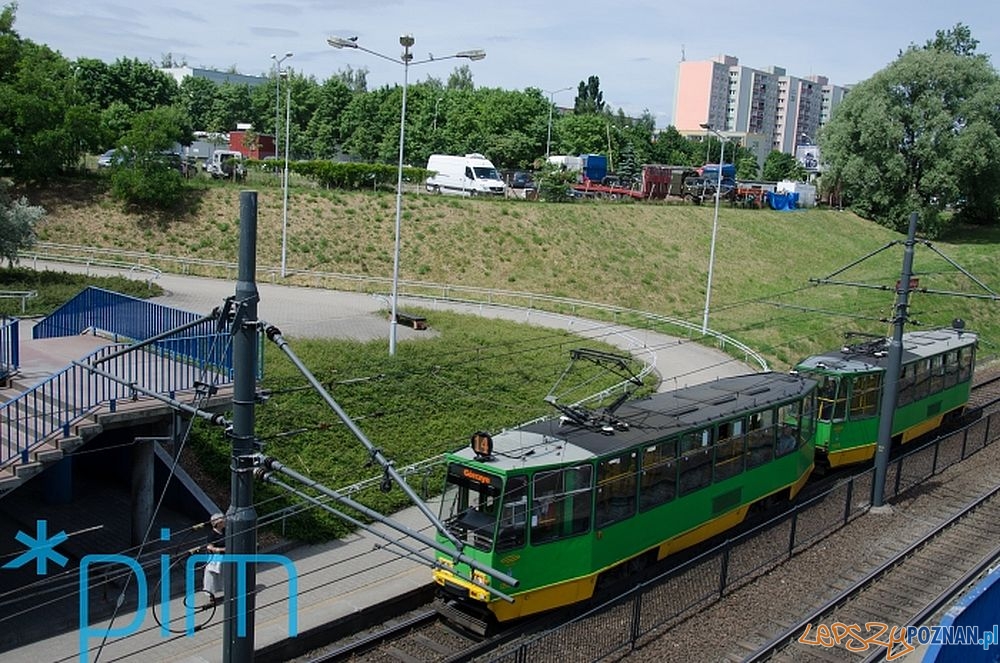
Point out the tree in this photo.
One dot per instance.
(45, 125)
(921, 135)
(232, 104)
(356, 80)
(17, 225)
(323, 131)
(461, 78)
(782, 166)
(958, 41)
(589, 98)
(148, 176)
(197, 97)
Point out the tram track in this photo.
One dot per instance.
(424, 637)
(759, 621)
(874, 609)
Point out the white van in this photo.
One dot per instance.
(471, 175)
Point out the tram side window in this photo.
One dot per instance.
(561, 503)
(760, 438)
(966, 359)
(616, 488)
(832, 399)
(729, 456)
(514, 514)
(865, 389)
(950, 368)
(695, 461)
(658, 476)
(907, 384)
(937, 374)
(922, 379)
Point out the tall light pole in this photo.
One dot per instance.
(715, 225)
(277, 96)
(284, 180)
(436, 103)
(548, 136)
(406, 59)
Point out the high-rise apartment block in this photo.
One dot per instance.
(766, 109)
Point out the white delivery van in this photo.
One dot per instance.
(471, 175)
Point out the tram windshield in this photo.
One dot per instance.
(831, 397)
(470, 505)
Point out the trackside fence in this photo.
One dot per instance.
(619, 625)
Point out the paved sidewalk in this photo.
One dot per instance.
(342, 578)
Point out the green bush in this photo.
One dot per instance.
(349, 175)
(147, 183)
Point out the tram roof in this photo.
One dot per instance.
(875, 356)
(557, 441)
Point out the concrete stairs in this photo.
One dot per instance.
(30, 415)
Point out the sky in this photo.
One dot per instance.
(633, 46)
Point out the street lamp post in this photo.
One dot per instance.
(277, 96)
(284, 182)
(406, 41)
(436, 104)
(715, 225)
(548, 137)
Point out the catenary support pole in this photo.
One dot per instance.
(890, 387)
(241, 519)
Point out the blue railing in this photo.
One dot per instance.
(122, 316)
(51, 407)
(203, 354)
(9, 344)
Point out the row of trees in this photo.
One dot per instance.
(56, 110)
(923, 133)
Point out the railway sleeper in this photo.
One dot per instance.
(479, 623)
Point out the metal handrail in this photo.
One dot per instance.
(52, 406)
(10, 345)
(23, 295)
(423, 289)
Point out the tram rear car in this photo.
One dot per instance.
(556, 504)
(934, 383)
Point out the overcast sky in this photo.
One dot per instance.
(633, 46)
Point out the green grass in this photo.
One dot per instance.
(56, 288)
(766, 292)
(478, 374)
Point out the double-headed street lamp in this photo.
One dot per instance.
(548, 137)
(277, 96)
(715, 225)
(284, 181)
(406, 59)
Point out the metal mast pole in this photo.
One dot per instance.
(890, 388)
(241, 520)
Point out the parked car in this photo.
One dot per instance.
(107, 159)
(522, 180)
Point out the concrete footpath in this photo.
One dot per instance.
(340, 579)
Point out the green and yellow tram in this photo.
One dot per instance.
(934, 383)
(558, 503)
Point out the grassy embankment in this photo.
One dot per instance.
(649, 257)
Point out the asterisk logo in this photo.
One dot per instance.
(41, 548)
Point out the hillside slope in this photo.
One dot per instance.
(647, 256)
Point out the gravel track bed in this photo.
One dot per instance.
(758, 612)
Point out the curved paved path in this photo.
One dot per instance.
(302, 312)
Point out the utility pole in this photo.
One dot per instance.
(241, 519)
(890, 388)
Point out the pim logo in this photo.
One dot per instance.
(41, 550)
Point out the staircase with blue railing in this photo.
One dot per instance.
(45, 421)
